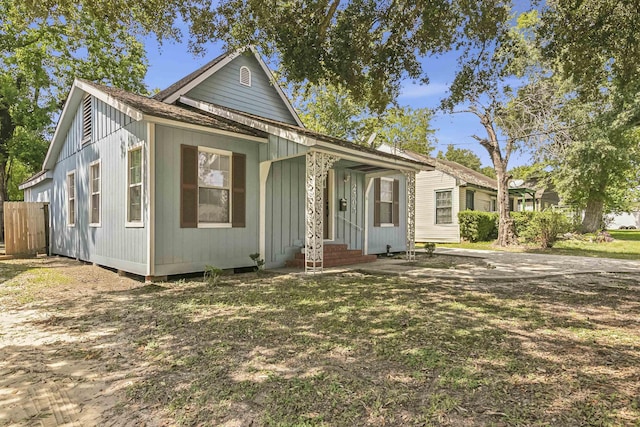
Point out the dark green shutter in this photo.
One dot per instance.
(396, 203)
(376, 202)
(239, 191)
(188, 186)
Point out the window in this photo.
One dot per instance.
(494, 205)
(387, 207)
(71, 198)
(386, 201)
(212, 188)
(470, 195)
(86, 120)
(444, 207)
(134, 183)
(245, 76)
(94, 186)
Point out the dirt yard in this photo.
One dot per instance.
(81, 346)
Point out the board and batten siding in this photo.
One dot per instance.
(184, 250)
(40, 192)
(224, 88)
(380, 237)
(111, 243)
(427, 183)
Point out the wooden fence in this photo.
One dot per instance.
(26, 228)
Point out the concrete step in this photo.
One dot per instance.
(335, 254)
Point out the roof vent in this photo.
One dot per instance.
(245, 76)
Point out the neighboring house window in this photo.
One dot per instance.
(212, 188)
(444, 207)
(86, 120)
(470, 199)
(494, 205)
(245, 76)
(71, 198)
(386, 202)
(134, 183)
(94, 186)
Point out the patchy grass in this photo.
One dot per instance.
(357, 349)
(625, 246)
(22, 284)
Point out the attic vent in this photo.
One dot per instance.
(245, 76)
(86, 120)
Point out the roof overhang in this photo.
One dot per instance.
(389, 161)
(36, 179)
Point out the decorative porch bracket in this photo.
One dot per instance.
(317, 166)
(411, 214)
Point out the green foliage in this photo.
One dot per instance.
(212, 274)
(541, 228)
(461, 155)
(331, 110)
(430, 247)
(488, 171)
(477, 226)
(258, 261)
(526, 172)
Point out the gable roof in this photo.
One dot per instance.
(458, 171)
(136, 106)
(184, 85)
(295, 133)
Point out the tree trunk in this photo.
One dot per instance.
(592, 220)
(3, 195)
(506, 226)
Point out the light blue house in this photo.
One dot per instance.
(210, 170)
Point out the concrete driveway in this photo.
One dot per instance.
(501, 265)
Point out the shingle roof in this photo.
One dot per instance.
(317, 135)
(459, 171)
(160, 109)
(163, 94)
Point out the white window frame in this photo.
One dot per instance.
(435, 207)
(86, 102)
(92, 193)
(69, 198)
(140, 223)
(248, 71)
(230, 188)
(387, 224)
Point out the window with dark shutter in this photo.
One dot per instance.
(86, 120)
(238, 184)
(188, 186)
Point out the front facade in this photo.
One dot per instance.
(209, 171)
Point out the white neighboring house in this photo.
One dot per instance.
(445, 191)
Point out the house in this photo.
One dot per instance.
(210, 170)
(532, 194)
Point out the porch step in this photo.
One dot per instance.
(334, 256)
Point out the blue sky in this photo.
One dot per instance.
(172, 61)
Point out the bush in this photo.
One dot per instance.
(478, 226)
(542, 228)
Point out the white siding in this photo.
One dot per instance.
(427, 183)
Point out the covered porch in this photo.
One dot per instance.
(330, 206)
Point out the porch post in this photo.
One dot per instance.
(317, 165)
(411, 214)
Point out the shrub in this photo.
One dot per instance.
(430, 247)
(478, 226)
(258, 261)
(212, 274)
(522, 221)
(542, 228)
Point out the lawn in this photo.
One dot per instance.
(357, 349)
(625, 246)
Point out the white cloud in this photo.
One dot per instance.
(413, 91)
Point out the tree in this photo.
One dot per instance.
(331, 110)
(40, 57)
(463, 156)
(488, 171)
